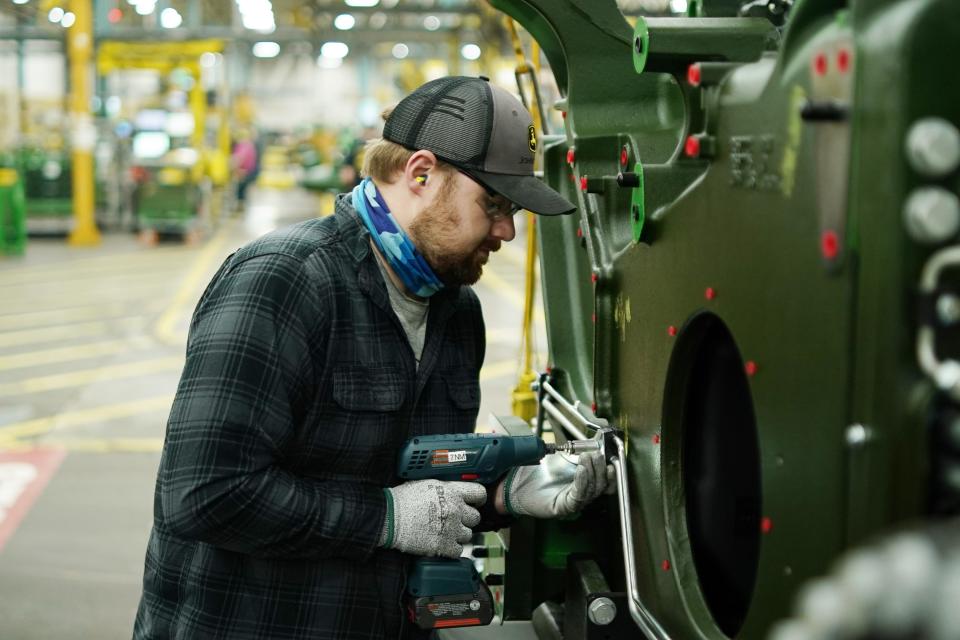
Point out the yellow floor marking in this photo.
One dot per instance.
(107, 445)
(160, 255)
(495, 282)
(81, 417)
(498, 369)
(68, 354)
(513, 253)
(499, 285)
(91, 376)
(62, 317)
(49, 334)
(134, 297)
(133, 277)
(187, 295)
(71, 331)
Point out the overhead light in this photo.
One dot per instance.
(344, 21)
(68, 19)
(400, 51)
(431, 23)
(55, 15)
(361, 3)
(334, 50)
(377, 20)
(329, 63)
(20, 1)
(470, 51)
(208, 59)
(257, 15)
(170, 18)
(145, 7)
(266, 49)
(678, 6)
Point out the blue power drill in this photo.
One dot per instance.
(442, 592)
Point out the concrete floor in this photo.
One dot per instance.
(91, 347)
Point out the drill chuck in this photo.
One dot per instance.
(575, 447)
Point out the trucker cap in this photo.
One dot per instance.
(480, 129)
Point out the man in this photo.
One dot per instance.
(313, 355)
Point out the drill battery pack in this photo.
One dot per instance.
(442, 594)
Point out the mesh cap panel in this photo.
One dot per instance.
(450, 117)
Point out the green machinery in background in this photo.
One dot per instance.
(13, 228)
(760, 291)
(47, 181)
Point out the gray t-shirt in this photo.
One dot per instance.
(411, 312)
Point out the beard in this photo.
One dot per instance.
(436, 230)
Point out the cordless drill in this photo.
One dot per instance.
(441, 592)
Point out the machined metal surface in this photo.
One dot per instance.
(737, 292)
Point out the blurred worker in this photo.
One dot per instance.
(246, 163)
(313, 354)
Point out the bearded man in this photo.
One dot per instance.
(313, 355)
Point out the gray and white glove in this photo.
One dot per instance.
(431, 517)
(556, 487)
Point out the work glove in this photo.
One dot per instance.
(431, 517)
(557, 487)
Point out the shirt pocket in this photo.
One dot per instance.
(463, 390)
(369, 389)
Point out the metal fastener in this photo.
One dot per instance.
(602, 611)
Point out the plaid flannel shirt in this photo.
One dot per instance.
(298, 390)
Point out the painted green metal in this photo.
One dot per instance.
(765, 307)
(13, 229)
(47, 180)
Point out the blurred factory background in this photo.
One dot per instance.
(140, 143)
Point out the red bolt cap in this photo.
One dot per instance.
(571, 155)
(766, 525)
(750, 367)
(820, 64)
(583, 183)
(593, 407)
(564, 114)
(710, 293)
(693, 75)
(665, 565)
(829, 244)
(692, 147)
(656, 438)
(624, 156)
(843, 60)
(579, 232)
(671, 331)
(594, 277)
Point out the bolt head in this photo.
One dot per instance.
(602, 611)
(931, 215)
(933, 147)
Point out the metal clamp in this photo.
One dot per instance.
(944, 373)
(568, 416)
(640, 614)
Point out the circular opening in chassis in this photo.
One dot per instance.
(708, 408)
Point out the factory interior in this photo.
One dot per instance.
(130, 169)
(731, 367)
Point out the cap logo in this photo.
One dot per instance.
(532, 138)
